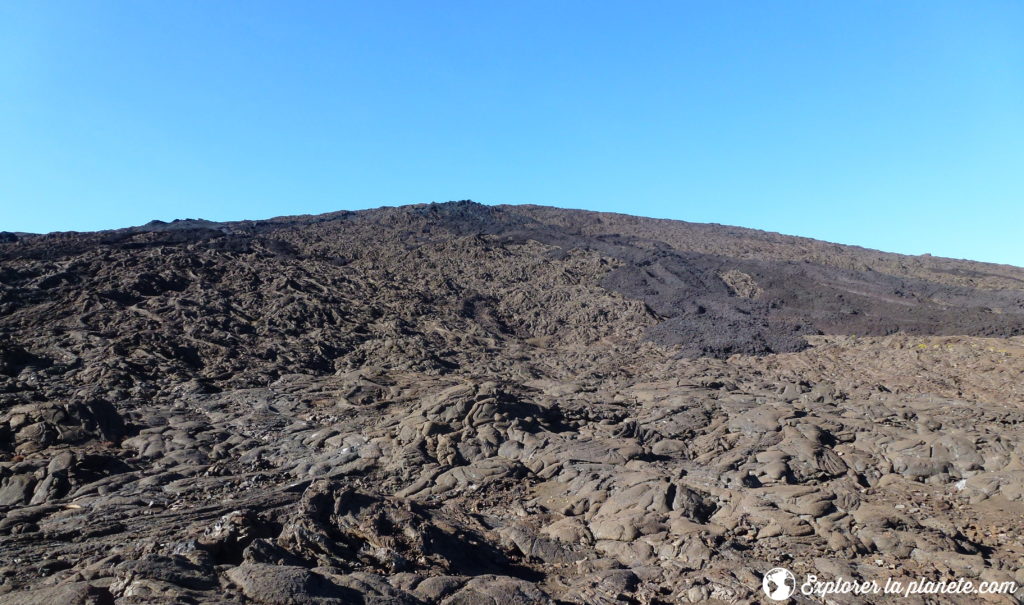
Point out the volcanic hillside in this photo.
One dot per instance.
(458, 403)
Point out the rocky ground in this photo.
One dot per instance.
(462, 404)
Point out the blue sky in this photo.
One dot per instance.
(892, 125)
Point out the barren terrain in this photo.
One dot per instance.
(461, 404)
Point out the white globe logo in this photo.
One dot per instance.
(779, 584)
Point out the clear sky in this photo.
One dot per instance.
(892, 125)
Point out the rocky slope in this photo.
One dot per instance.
(456, 403)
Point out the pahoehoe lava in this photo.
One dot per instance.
(458, 403)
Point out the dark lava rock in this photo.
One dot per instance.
(457, 403)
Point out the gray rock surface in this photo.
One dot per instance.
(462, 404)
